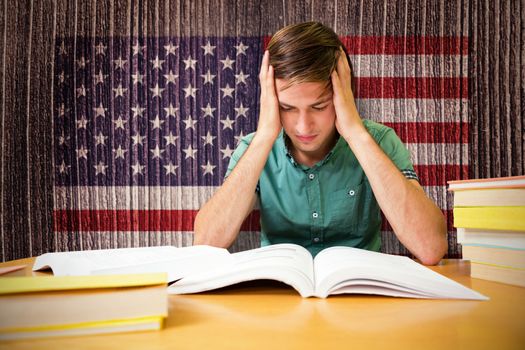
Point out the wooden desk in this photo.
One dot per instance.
(272, 316)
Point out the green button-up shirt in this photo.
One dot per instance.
(328, 204)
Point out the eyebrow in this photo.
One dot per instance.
(312, 105)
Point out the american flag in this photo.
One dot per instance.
(144, 127)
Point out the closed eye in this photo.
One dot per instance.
(320, 108)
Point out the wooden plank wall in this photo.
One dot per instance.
(28, 30)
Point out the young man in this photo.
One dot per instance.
(321, 173)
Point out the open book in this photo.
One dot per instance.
(335, 270)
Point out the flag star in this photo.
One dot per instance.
(119, 123)
(62, 139)
(100, 49)
(100, 168)
(157, 63)
(138, 78)
(227, 152)
(208, 168)
(170, 139)
(208, 139)
(208, 111)
(240, 111)
(227, 63)
(227, 123)
(190, 152)
(99, 78)
(137, 168)
(119, 63)
(241, 78)
(63, 168)
(100, 139)
(157, 91)
(227, 91)
(170, 77)
(81, 63)
(137, 49)
(190, 63)
(138, 111)
(238, 138)
(157, 152)
(81, 91)
(138, 139)
(82, 152)
(157, 122)
(100, 110)
(119, 91)
(61, 77)
(62, 110)
(190, 91)
(62, 50)
(171, 111)
(170, 168)
(82, 122)
(170, 48)
(241, 49)
(208, 48)
(190, 123)
(119, 152)
(208, 77)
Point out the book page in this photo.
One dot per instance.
(176, 262)
(287, 263)
(338, 269)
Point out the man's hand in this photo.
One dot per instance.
(269, 118)
(347, 118)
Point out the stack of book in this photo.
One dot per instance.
(489, 215)
(43, 306)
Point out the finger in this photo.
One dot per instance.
(343, 68)
(264, 67)
(336, 83)
(270, 83)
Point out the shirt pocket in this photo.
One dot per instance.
(344, 209)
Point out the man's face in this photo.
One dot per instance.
(308, 118)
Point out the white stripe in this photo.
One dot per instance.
(168, 198)
(413, 110)
(132, 197)
(409, 66)
(435, 153)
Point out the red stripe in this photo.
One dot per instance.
(134, 220)
(411, 87)
(401, 45)
(447, 213)
(431, 132)
(438, 175)
(151, 220)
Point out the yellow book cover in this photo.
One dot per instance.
(10, 285)
(496, 218)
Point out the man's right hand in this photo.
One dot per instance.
(269, 118)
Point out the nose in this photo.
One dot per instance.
(304, 123)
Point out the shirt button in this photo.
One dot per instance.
(311, 176)
(351, 192)
(315, 215)
(316, 239)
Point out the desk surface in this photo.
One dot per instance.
(268, 315)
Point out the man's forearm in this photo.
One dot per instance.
(417, 221)
(219, 220)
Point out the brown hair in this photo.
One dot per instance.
(304, 52)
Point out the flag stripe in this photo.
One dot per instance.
(438, 175)
(150, 220)
(433, 132)
(413, 110)
(402, 45)
(411, 87)
(435, 153)
(408, 66)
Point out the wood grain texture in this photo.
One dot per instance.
(30, 32)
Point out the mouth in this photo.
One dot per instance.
(306, 138)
